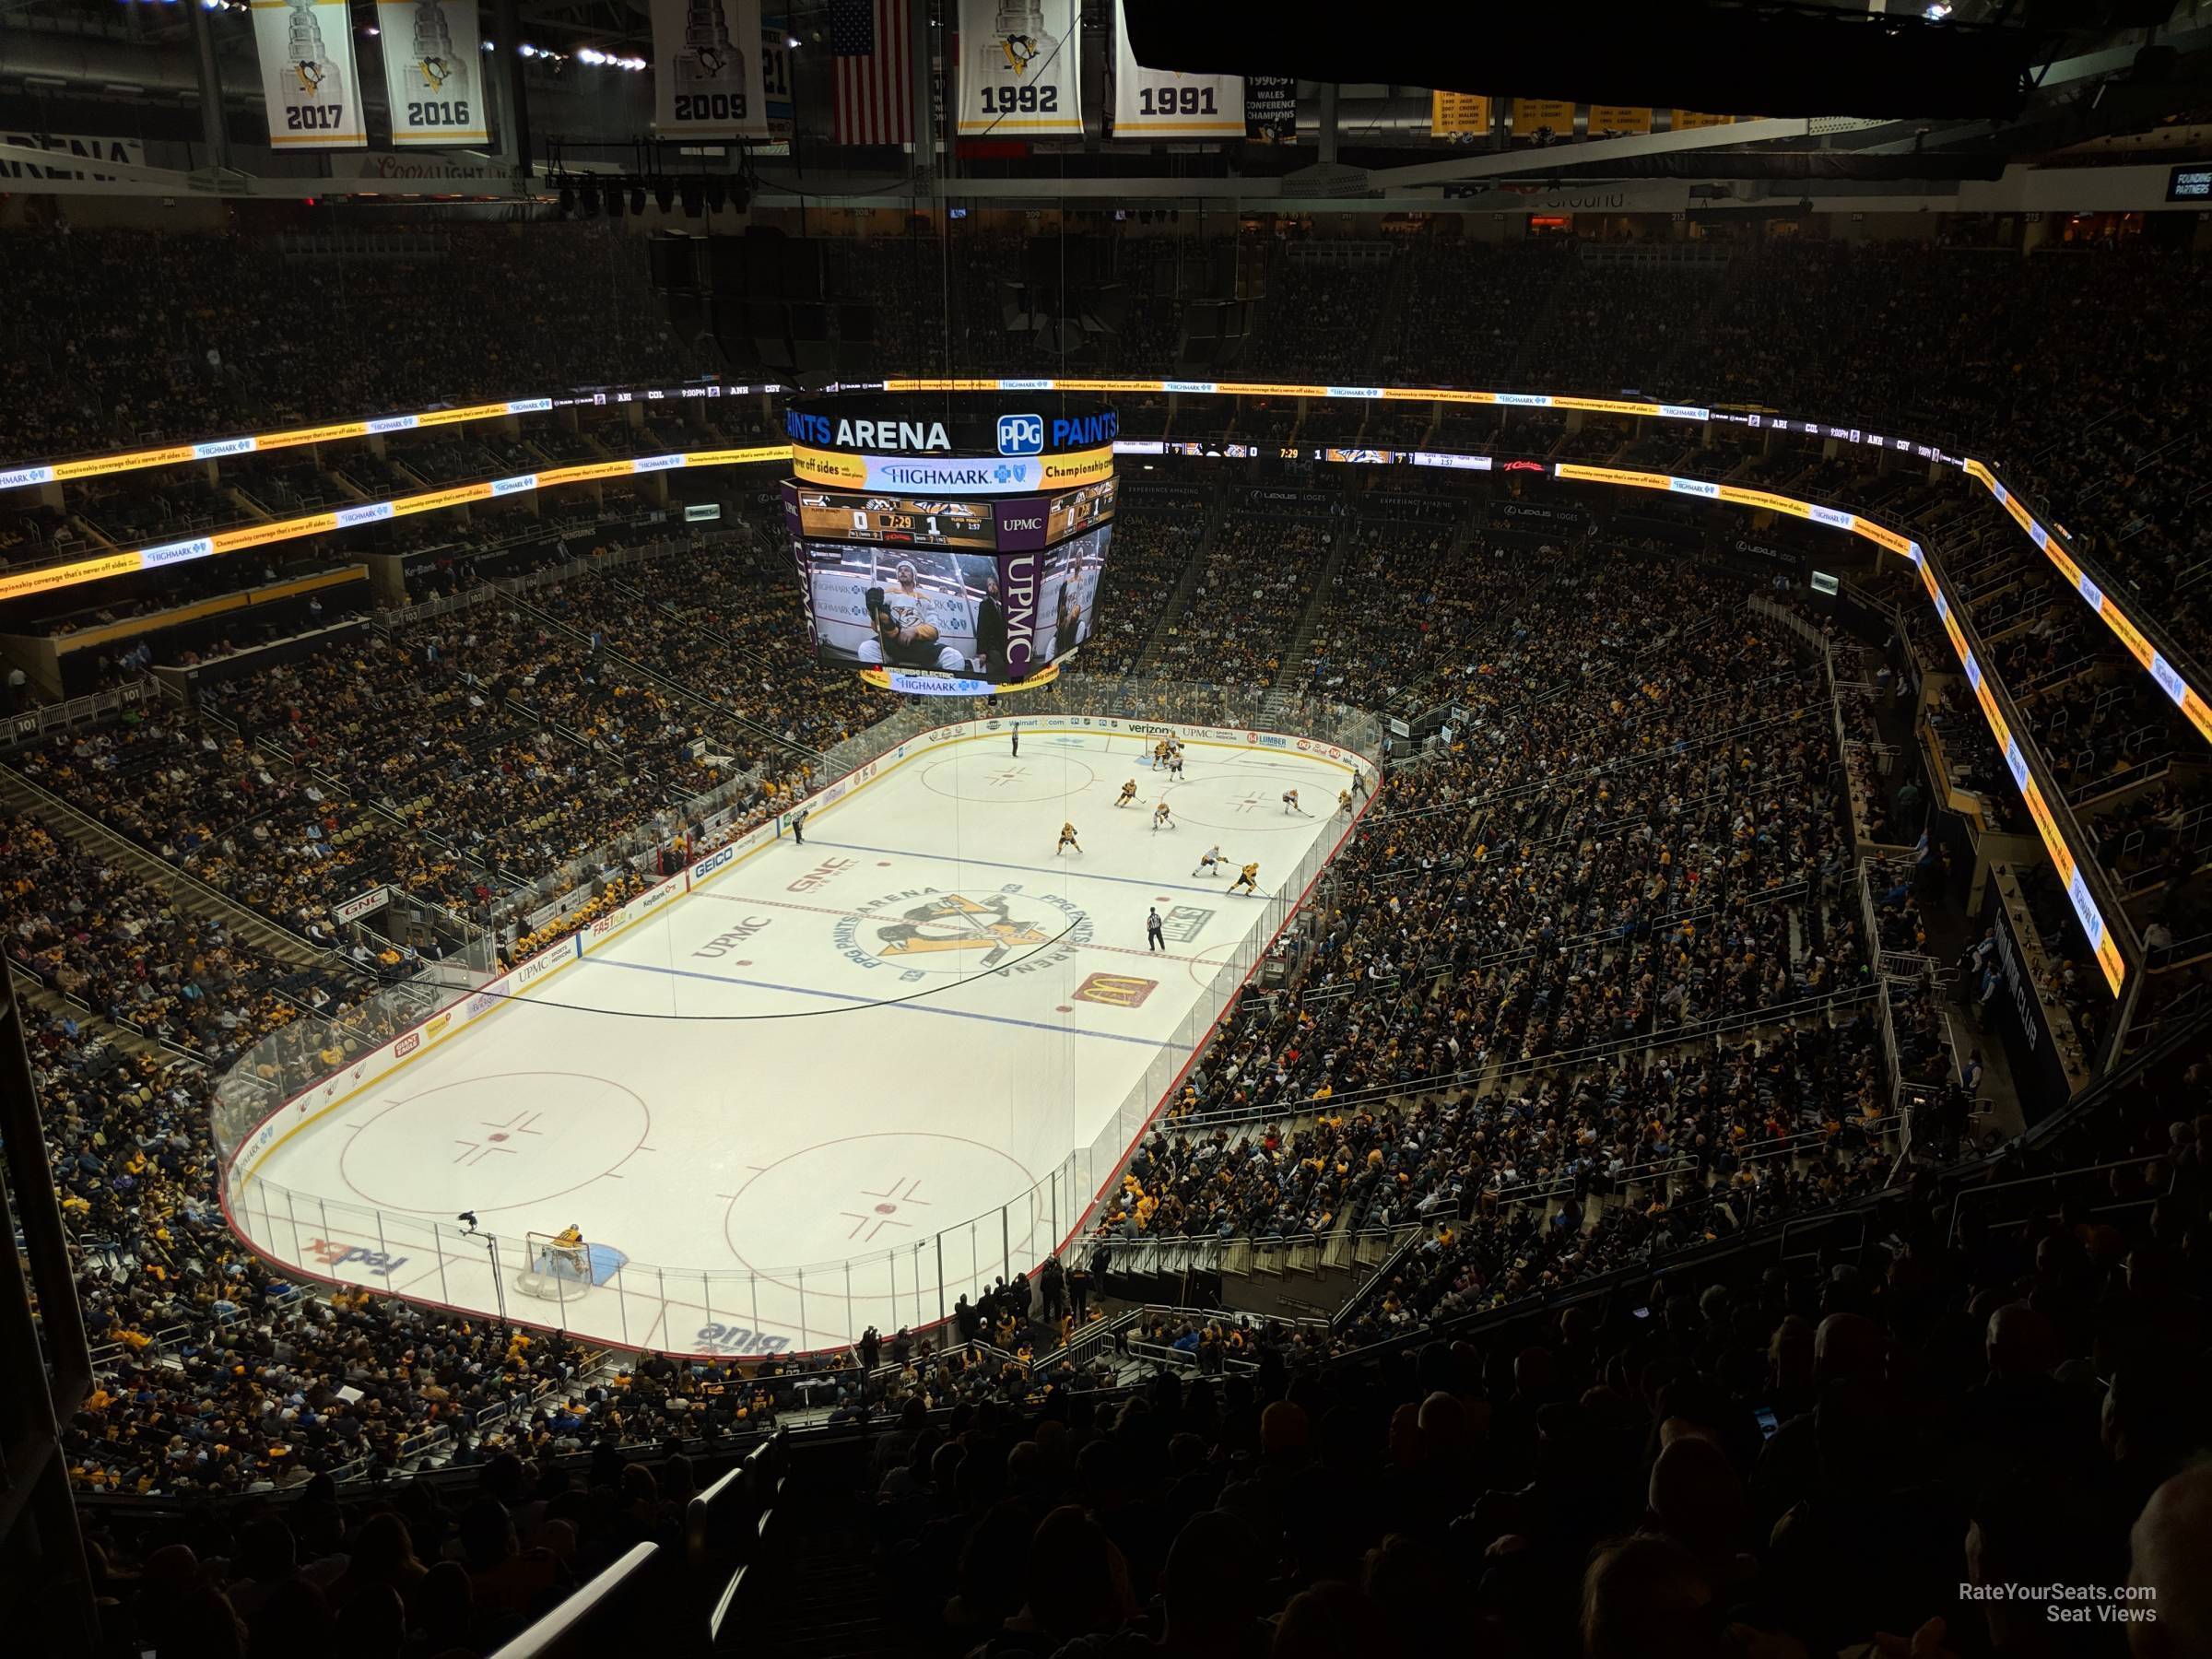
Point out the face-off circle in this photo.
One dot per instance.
(878, 1196)
(498, 1142)
(989, 778)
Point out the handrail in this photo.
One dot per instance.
(1950, 1232)
(547, 1634)
(1743, 1019)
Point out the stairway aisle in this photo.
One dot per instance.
(831, 1597)
(1297, 650)
(19, 797)
(1177, 602)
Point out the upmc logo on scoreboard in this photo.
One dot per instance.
(1021, 434)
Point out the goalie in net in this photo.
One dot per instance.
(558, 1266)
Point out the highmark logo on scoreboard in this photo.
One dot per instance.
(905, 473)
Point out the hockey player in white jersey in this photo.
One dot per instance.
(1210, 862)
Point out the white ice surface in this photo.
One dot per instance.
(733, 1096)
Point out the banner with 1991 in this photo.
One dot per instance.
(1148, 102)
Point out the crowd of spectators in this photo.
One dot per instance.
(1253, 585)
(111, 944)
(1320, 314)
(1155, 534)
(1632, 834)
(125, 334)
(1904, 1446)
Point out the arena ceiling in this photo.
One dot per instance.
(1869, 103)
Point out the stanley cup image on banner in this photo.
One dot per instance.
(431, 72)
(308, 77)
(1018, 67)
(706, 69)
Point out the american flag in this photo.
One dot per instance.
(871, 50)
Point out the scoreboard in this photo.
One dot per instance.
(999, 526)
(951, 543)
(839, 515)
(1077, 510)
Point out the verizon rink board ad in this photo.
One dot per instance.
(433, 72)
(1148, 101)
(1018, 67)
(707, 80)
(308, 73)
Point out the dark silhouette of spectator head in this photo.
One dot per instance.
(1079, 1584)
(2168, 1550)
(1211, 1587)
(1645, 1597)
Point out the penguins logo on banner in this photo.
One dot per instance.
(1018, 67)
(1162, 101)
(308, 77)
(707, 79)
(431, 72)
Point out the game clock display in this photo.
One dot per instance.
(836, 515)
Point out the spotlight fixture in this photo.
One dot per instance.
(693, 191)
(717, 193)
(637, 196)
(568, 196)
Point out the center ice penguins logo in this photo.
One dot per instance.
(955, 923)
(1007, 931)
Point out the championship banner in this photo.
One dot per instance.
(1458, 115)
(433, 71)
(1148, 101)
(1270, 108)
(706, 82)
(1618, 118)
(308, 76)
(1018, 68)
(1532, 115)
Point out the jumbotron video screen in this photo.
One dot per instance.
(896, 603)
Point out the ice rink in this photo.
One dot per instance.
(837, 1084)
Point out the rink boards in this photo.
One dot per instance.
(321, 1255)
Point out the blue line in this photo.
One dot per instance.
(916, 1006)
(993, 863)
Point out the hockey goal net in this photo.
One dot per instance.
(556, 1268)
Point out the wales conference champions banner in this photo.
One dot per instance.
(1165, 101)
(707, 80)
(308, 75)
(1017, 68)
(433, 71)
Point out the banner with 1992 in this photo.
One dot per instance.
(1017, 68)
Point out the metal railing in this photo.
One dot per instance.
(726, 1527)
(33, 725)
(567, 1628)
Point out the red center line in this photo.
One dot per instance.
(824, 910)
